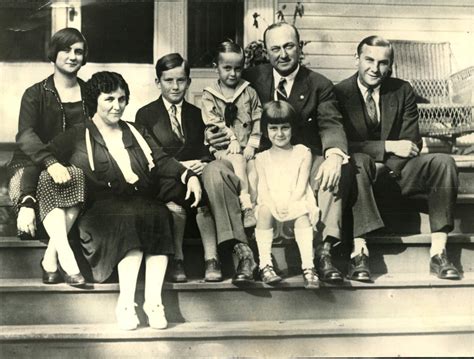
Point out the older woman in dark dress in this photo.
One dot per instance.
(122, 220)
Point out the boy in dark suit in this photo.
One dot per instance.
(381, 123)
(178, 127)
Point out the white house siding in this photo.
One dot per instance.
(335, 27)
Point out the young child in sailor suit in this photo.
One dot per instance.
(231, 103)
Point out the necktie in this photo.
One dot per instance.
(371, 109)
(175, 124)
(281, 92)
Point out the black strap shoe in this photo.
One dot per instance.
(268, 275)
(327, 272)
(310, 278)
(441, 267)
(244, 272)
(359, 268)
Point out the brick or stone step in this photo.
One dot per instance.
(30, 302)
(425, 336)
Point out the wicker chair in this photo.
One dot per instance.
(445, 100)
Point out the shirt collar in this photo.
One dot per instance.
(290, 78)
(169, 104)
(363, 89)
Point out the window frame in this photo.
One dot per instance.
(170, 23)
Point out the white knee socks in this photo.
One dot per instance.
(304, 239)
(155, 269)
(128, 269)
(264, 238)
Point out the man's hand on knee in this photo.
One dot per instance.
(329, 174)
(402, 148)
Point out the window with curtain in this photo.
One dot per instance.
(119, 31)
(25, 30)
(209, 23)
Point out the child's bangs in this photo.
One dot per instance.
(278, 112)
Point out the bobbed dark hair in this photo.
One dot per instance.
(169, 62)
(103, 82)
(276, 113)
(64, 38)
(228, 46)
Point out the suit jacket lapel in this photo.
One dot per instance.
(265, 83)
(185, 119)
(300, 91)
(162, 117)
(164, 121)
(355, 109)
(387, 111)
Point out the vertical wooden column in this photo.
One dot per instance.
(65, 14)
(170, 27)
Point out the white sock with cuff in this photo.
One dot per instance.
(264, 239)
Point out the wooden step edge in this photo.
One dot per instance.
(380, 281)
(464, 161)
(244, 329)
(463, 198)
(422, 238)
(382, 238)
(15, 242)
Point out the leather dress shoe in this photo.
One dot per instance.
(74, 280)
(359, 268)
(50, 277)
(244, 272)
(213, 271)
(326, 270)
(310, 278)
(441, 267)
(268, 275)
(177, 271)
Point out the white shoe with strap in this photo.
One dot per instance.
(127, 318)
(156, 315)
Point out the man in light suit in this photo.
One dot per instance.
(381, 122)
(178, 126)
(319, 127)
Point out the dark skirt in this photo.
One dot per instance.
(112, 226)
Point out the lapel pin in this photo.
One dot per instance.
(310, 119)
(301, 97)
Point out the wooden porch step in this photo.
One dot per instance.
(388, 254)
(30, 302)
(427, 336)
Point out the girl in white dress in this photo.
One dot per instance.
(284, 195)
